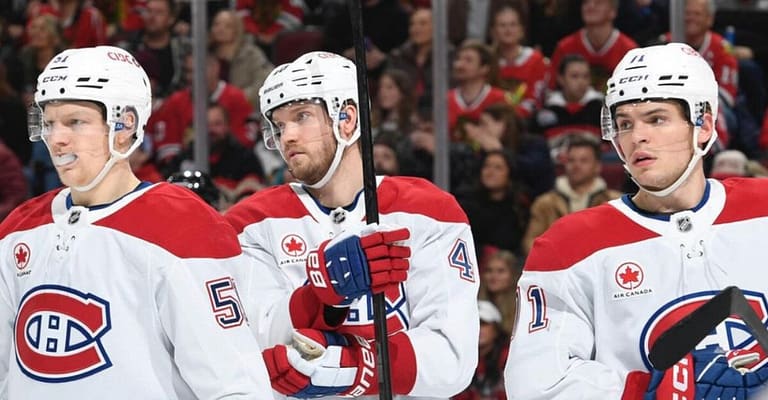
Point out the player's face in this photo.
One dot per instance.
(655, 140)
(77, 140)
(388, 95)
(498, 276)
(697, 18)
(306, 140)
(507, 29)
(581, 165)
(494, 174)
(420, 28)
(595, 12)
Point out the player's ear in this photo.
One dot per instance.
(347, 120)
(125, 130)
(706, 129)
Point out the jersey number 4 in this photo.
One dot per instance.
(225, 302)
(459, 259)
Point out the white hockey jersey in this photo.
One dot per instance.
(432, 318)
(133, 300)
(601, 285)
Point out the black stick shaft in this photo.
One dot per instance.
(369, 189)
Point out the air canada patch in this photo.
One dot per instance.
(59, 333)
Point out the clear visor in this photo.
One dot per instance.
(272, 131)
(35, 126)
(607, 126)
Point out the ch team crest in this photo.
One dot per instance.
(58, 334)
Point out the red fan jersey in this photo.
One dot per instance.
(602, 61)
(168, 126)
(460, 109)
(526, 78)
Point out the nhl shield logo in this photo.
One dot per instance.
(684, 224)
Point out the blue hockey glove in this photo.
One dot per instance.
(711, 374)
(348, 266)
(321, 364)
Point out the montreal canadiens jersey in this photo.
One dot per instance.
(133, 300)
(602, 284)
(436, 308)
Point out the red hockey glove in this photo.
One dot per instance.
(350, 265)
(321, 364)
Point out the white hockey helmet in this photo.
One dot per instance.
(106, 75)
(674, 71)
(315, 76)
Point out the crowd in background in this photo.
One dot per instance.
(526, 82)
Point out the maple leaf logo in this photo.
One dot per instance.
(294, 245)
(629, 276)
(21, 253)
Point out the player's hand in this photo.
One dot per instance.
(711, 374)
(320, 364)
(350, 265)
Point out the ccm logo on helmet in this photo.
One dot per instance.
(123, 57)
(58, 334)
(633, 78)
(55, 78)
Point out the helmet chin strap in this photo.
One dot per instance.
(114, 156)
(697, 154)
(331, 170)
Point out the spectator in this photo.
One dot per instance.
(235, 170)
(44, 41)
(575, 107)
(473, 19)
(13, 190)
(415, 57)
(729, 163)
(82, 24)
(242, 63)
(522, 70)
(498, 284)
(475, 71)
(394, 104)
(416, 157)
(499, 128)
(385, 154)
(599, 42)
(498, 208)
(493, 346)
(580, 187)
(159, 49)
(643, 20)
(170, 126)
(265, 19)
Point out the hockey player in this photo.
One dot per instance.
(311, 251)
(602, 284)
(102, 296)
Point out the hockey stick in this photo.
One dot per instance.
(682, 337)
(369, 189)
